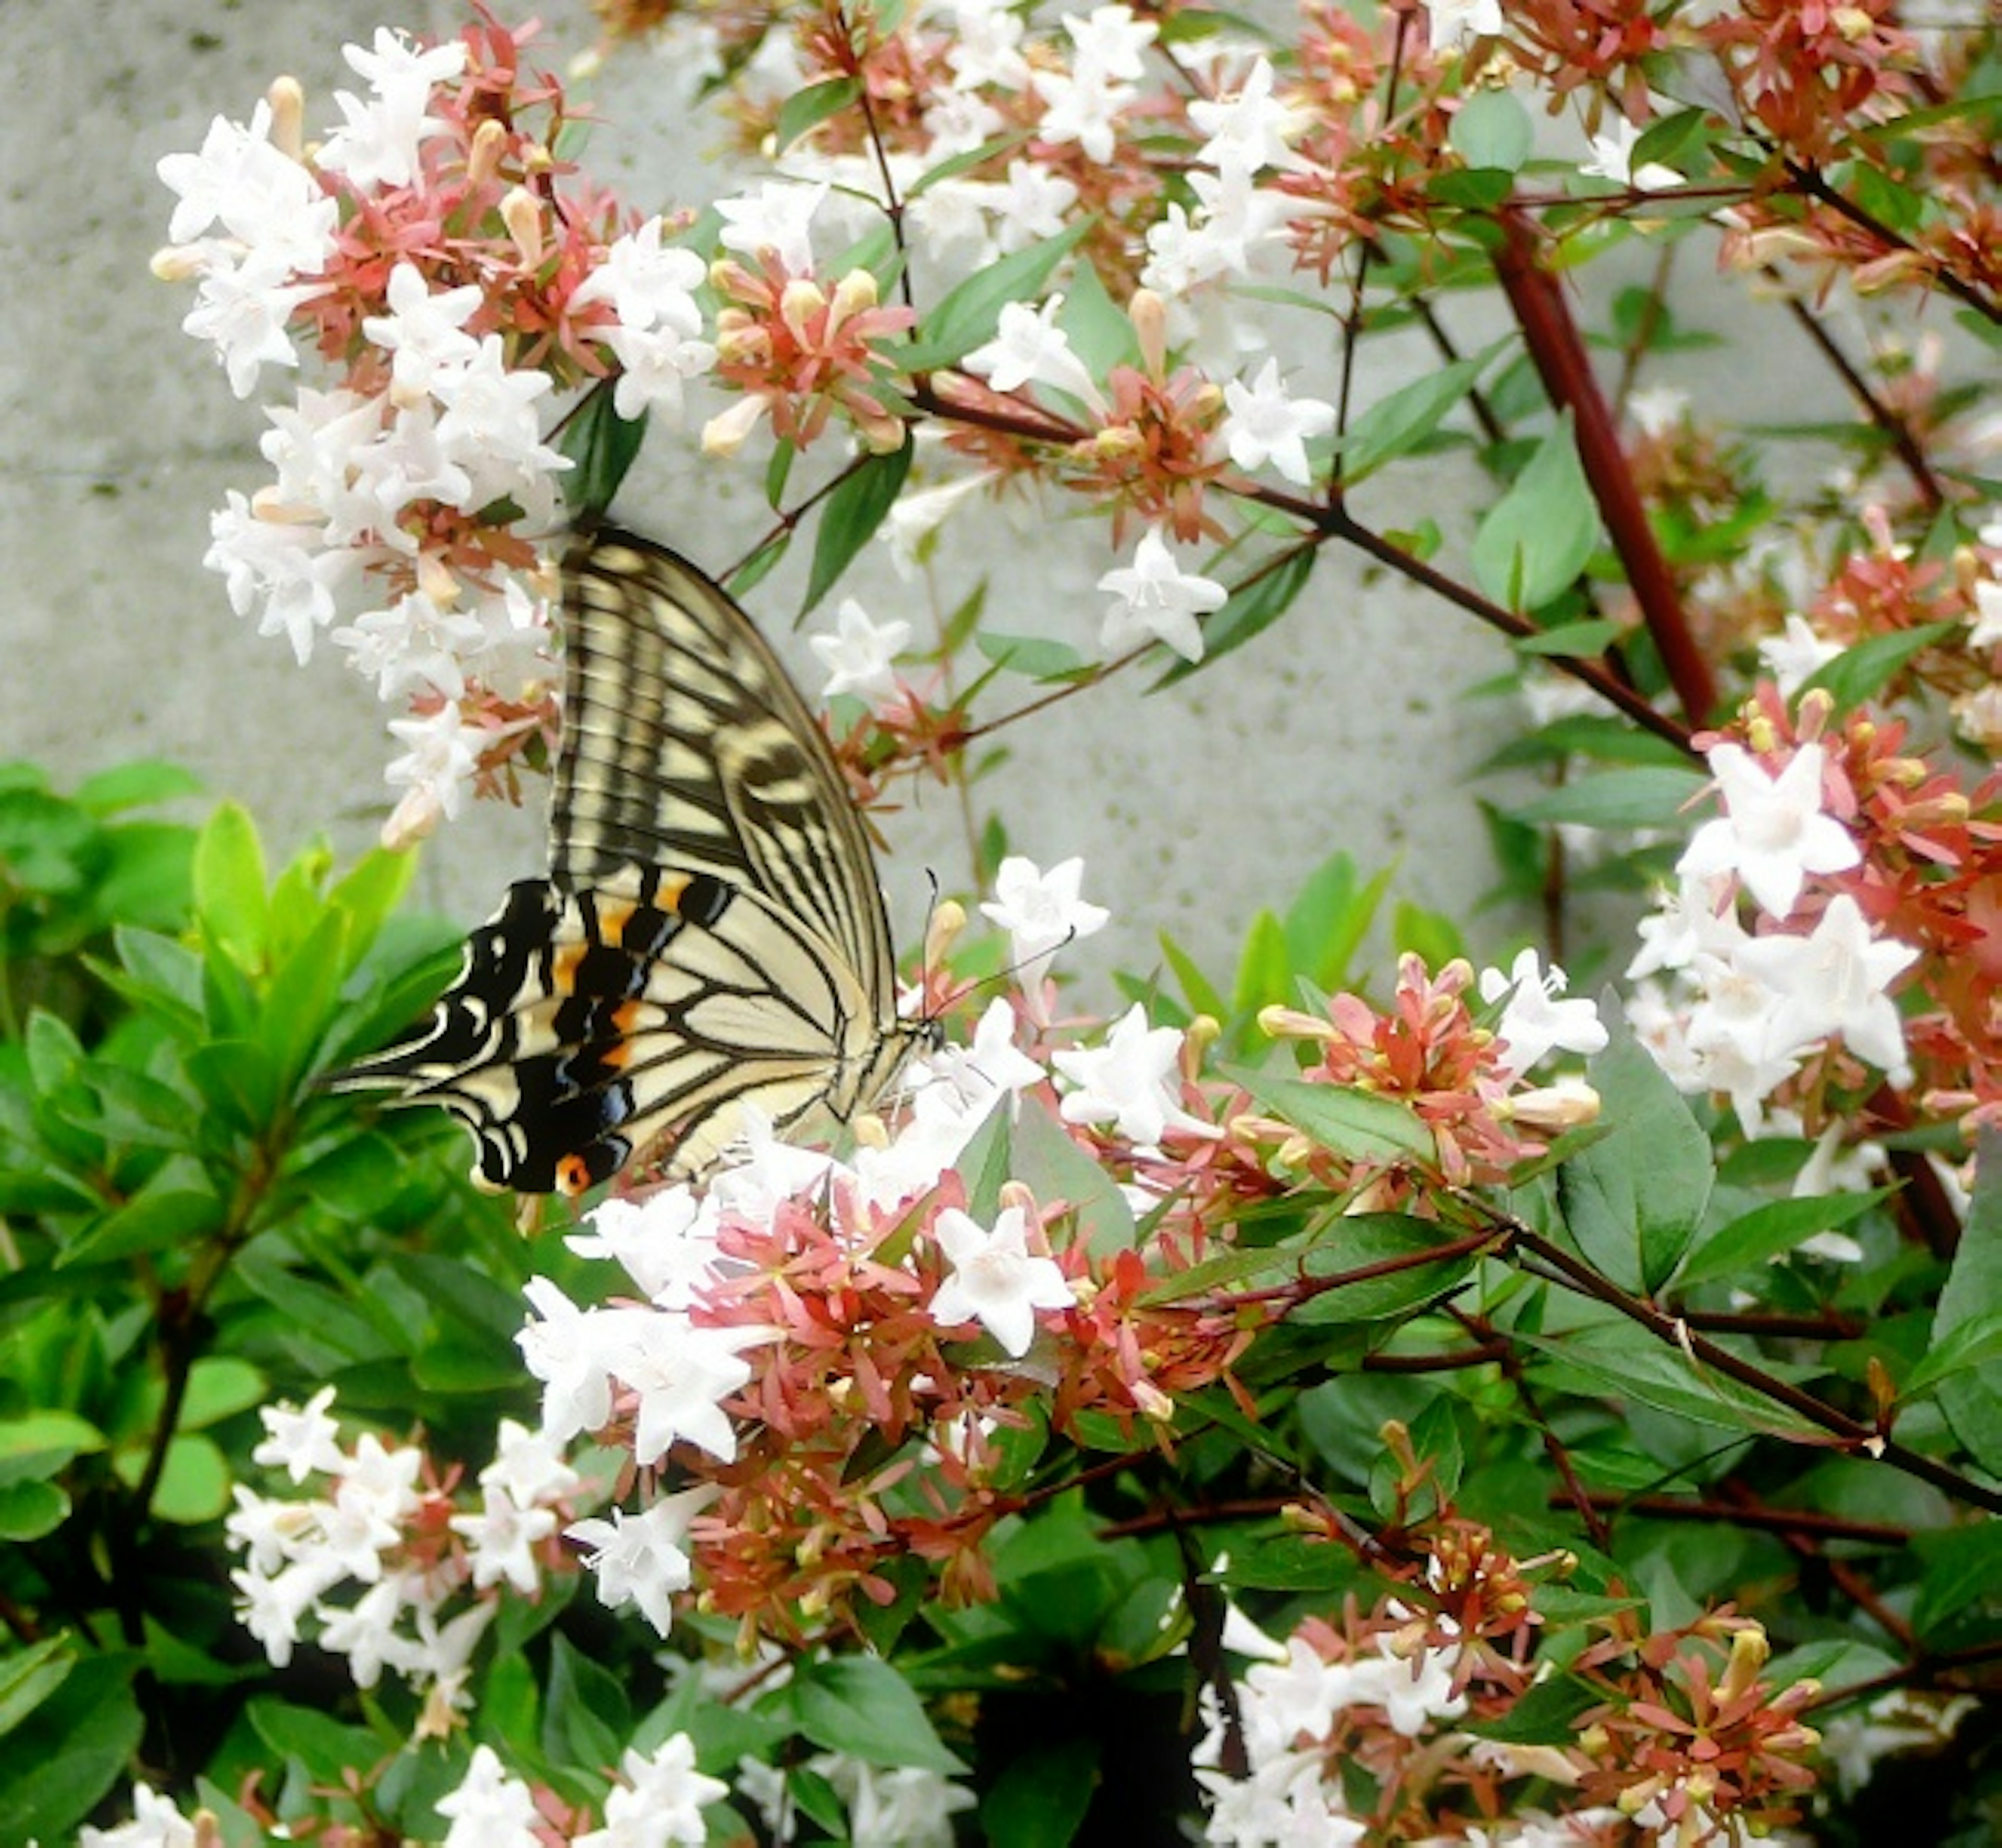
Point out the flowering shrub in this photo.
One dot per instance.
(1322, 1407)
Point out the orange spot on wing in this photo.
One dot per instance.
(620, 1050)
(572, 1177)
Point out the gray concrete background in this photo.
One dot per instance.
(1347, 727)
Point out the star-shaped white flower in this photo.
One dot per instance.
(1157, 600)
(1029, 348)
(1131, 1082)
(1040, 911)
(1773, 833)
(638, 1558)
(1535, 1023)
(994, 1280)
(1836, 979)
(860, 655)
(1263, 424)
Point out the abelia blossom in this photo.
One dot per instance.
(1156, 600)
(995, 1280)
(1774, 831)
(860, 655)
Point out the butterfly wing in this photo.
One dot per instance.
(684, 745)
(711, 938)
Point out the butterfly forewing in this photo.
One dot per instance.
(684, 745)
(711, 939)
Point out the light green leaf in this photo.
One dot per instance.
(1972, 1400)
(1645, 796)
(970, 312)
(1396, 425)
(1356, 1125)
(1491, 129)
(1537, 538)
(863, 1707)
(230, 885)
(808, 108)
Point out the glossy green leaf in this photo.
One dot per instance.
(1765, 1233)
(1040, 1799)
(1355, 1125)
(859, 1705)
(805, 109)
(1972, 1400)
(1634, 1201)
(230, 885)
(971, 311)
(1249, 612)
(1360, 1241)
(1859, 674)
(602, 446)
(849, 519)
(1645, 796)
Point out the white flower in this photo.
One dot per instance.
(860, 655)
(654, 364)
(648, 283)
(490, 426)
(667, 1242)
(426, 331)
(984, 45)
(1028, 347)
(243, 310)
(1157, 600)
(1773, 833)
(1030, 204)
(1454, 22)
(1411, 1691)
(377, 142)
(489, 1809)
(1613, 158)
(1836, 980)
(681, 1374)
(529, 1465)
(902, 1806)
(266, 201)
(778, 217)
(1686, 923)
(283, 571)
(1535, 1023)
(502, 1537)
(567, 1351)
(301, 1441)
(1263, 424)
(1656, 409)
(638, 1558)
(1986, 628)
(1795, 655)
(916, 517)
(661, 1801)
(155, 1823)
(993, 1066)
(1040, 911)
(437, 766)
(1131, 1082)
(995, 1281)
(1250, 130)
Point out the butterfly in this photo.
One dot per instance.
(711, 939)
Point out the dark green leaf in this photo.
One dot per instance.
(970, 312)
(1768, 1230)
(1359, 1241)
(863, 1707)
(1039, 1801)
(603, 445)
(1972, 1400)
(1633, 1200)
(852, 513)
(60, 1762)
(1859, 674)
(1355, 1125)
(1250, 611)
(167, 1212)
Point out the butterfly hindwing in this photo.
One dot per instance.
(711, 938)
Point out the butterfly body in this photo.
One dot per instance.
(711, 936)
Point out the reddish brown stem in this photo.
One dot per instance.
(1558, 353)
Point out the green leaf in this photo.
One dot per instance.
(1859, 674)
(1766, 1231)
(1963, 1571)
(603, 446)
(29, 1676)
(61, 1760)
(970, 312)
(588, 1719)
(1355, 1241)
(230, 885)
(860, 1705)
(30, 1510)
(1491, 129)
(1626, 1366)
(1646, 796)
(1327, 922)
(1201, 992)
(1264, 970)
(807, 109)
(1039, 657)
(1972, 1400)
(1537, 538)
(1396, 425)
(1633, 1200)
(1355, 1125)
(1040, 1799)
(1546, 1715)
(166, 1211)
(852, 513)
(1576, 641)
(140, 783)
(1250, 610)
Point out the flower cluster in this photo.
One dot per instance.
(1866, 874)
(1401, 1692)
(398, 1548)
(1459, 1077)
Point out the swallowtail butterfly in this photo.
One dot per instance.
(711, 935)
